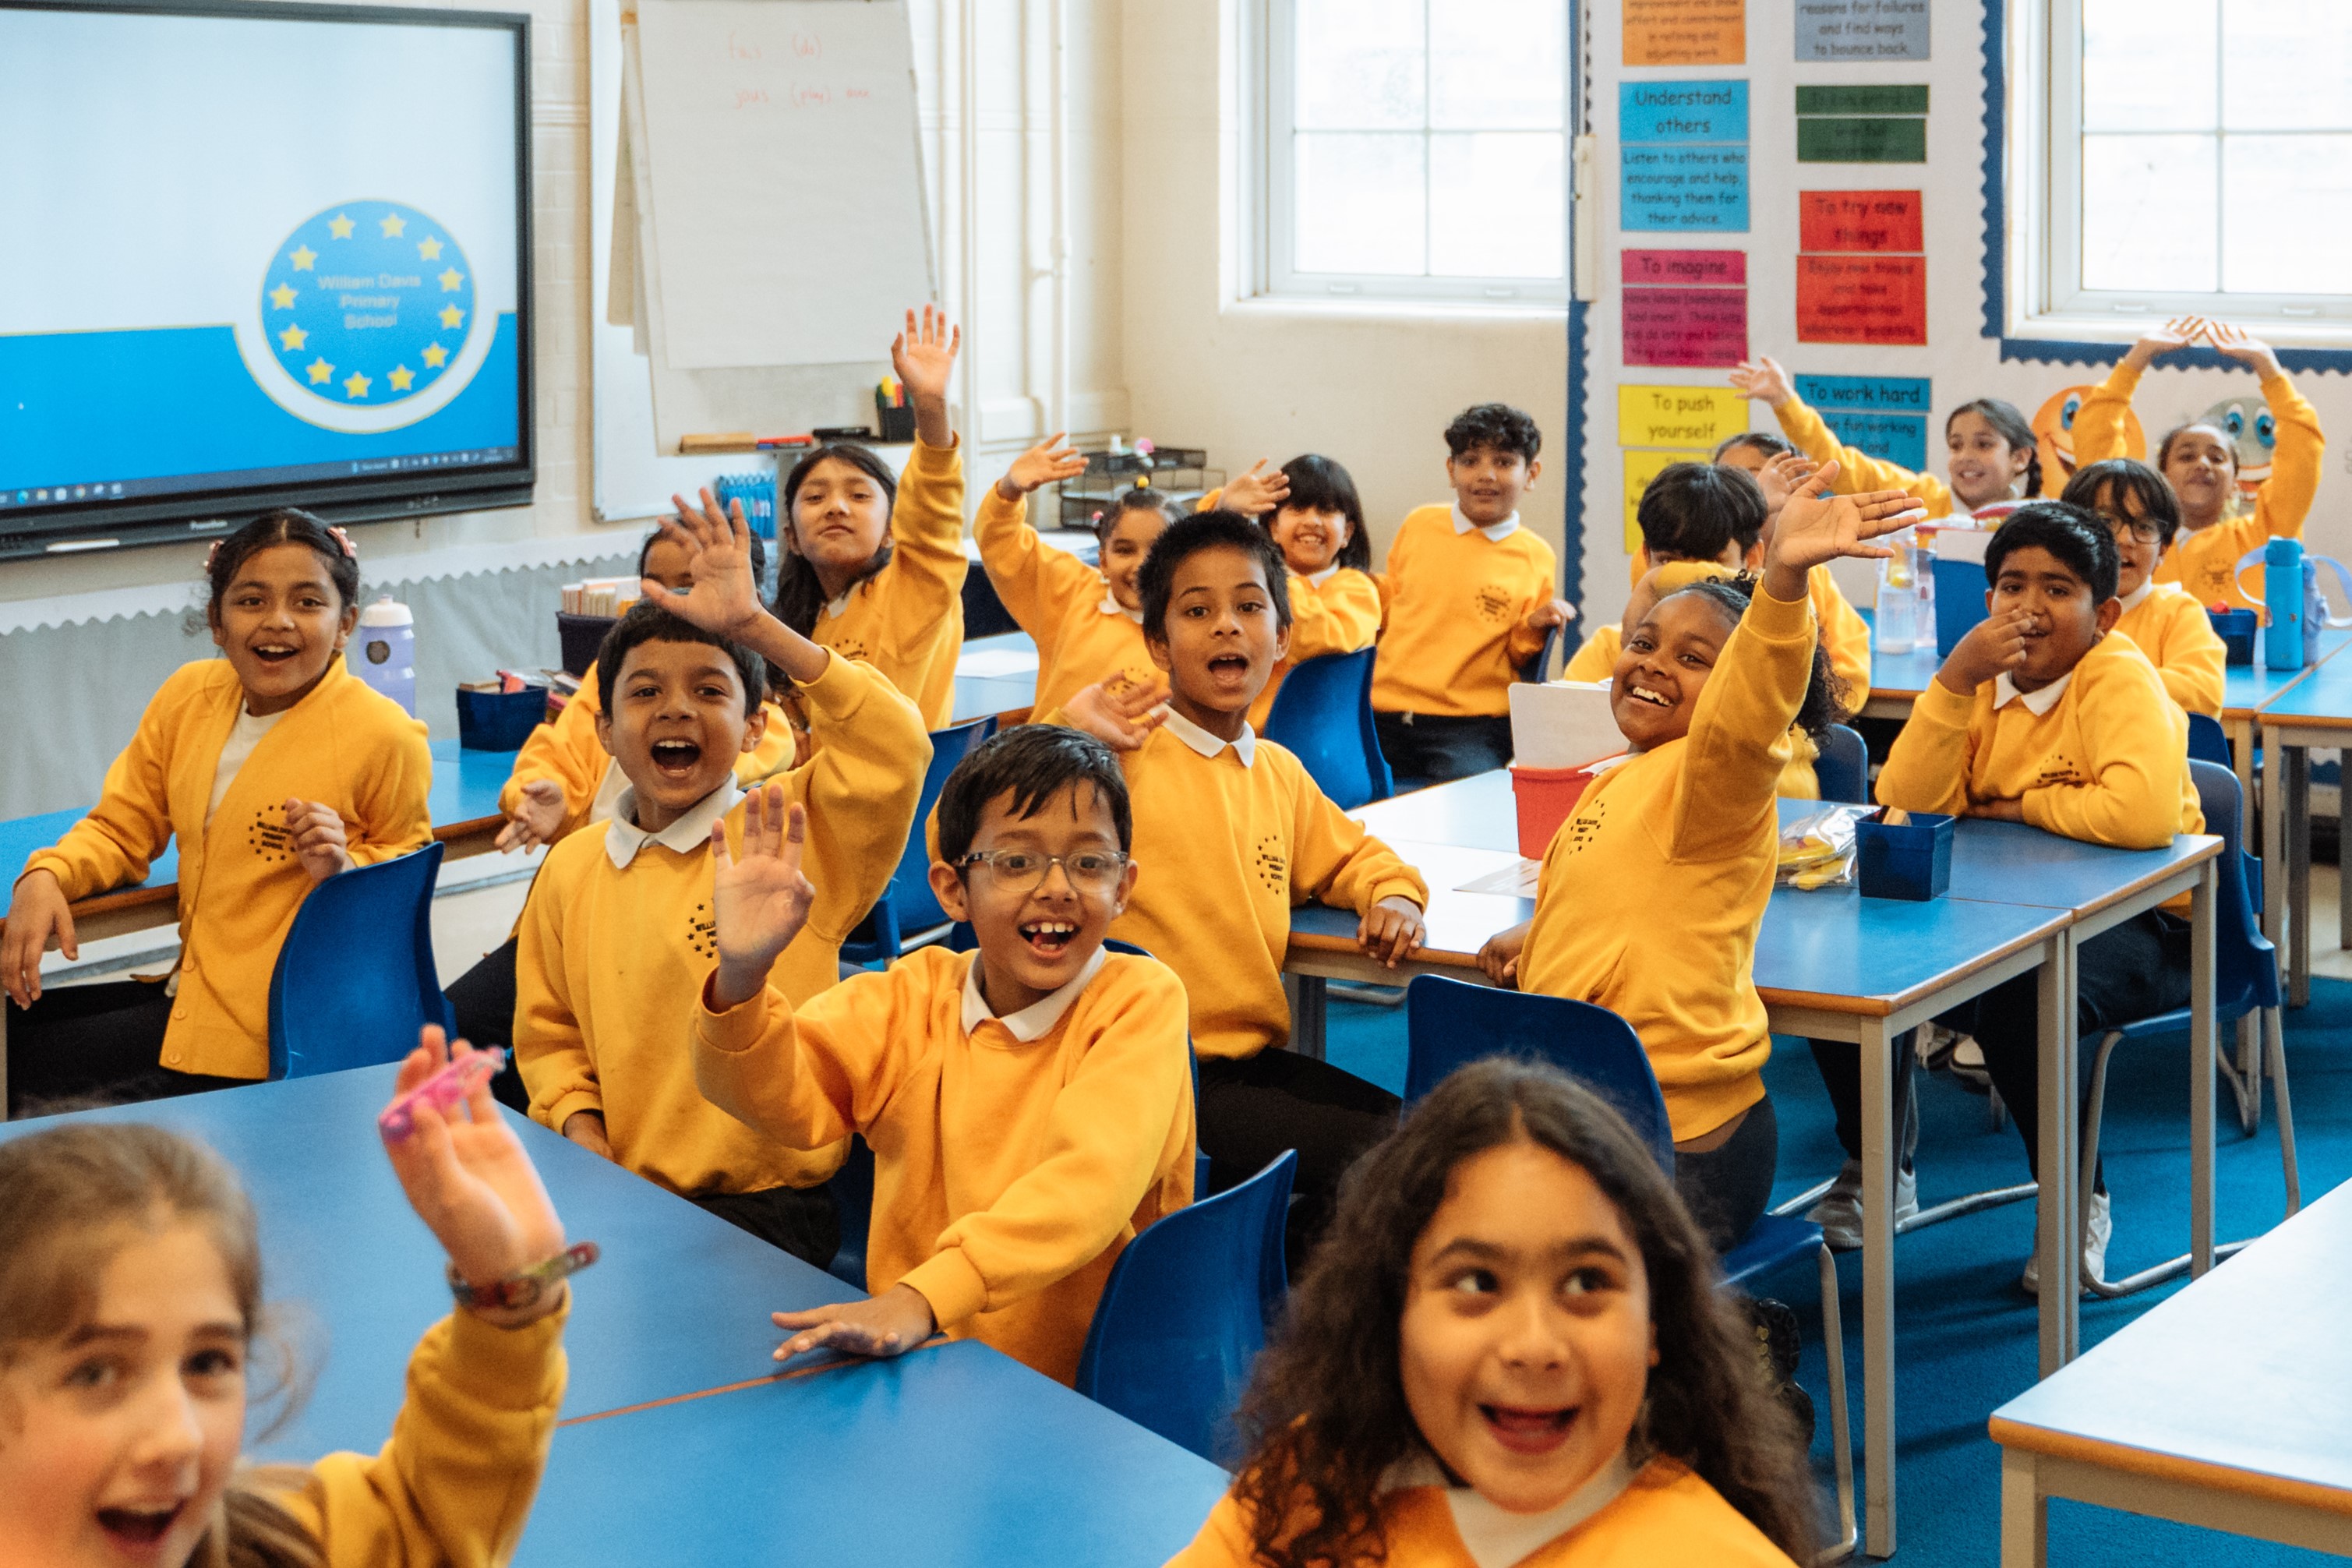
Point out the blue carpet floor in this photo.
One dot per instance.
(1966, 1339)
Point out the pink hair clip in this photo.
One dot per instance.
(345, 540)
(212, 556)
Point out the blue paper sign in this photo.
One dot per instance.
(1889, 394)
(1672, 189)
(1890, 437)
(1682, 111)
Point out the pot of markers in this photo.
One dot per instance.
(894, 415)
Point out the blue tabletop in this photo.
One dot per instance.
(952, 1454)
(19, 836)
(678, 1304)
(995, 675)
(2324, 695)
(1892, 674)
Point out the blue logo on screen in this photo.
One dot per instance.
(368, 305)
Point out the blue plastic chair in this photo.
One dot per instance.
(1449, 1024)
(1323, 715)
(907, 915)
(1843, 767)
(2246, 980)
(2208, 742)
(1184, 1311)
(1534, 671)
(355, 980)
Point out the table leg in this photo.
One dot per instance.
(1307, 1005)
(1878, 1157)
(2057, 1203)
(2298, 875)
(2202, 1045)
(2024, 1512)
(2274, 856)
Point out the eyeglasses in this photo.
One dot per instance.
(1021, 871)
(2145, 529)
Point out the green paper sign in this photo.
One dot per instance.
(1863, 99)
(1856, 140)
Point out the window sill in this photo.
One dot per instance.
(1295, 306)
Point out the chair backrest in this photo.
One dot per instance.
(2245, 965)
(2208, 742)
(1843, 767)
(1449, 1024)
(907, 905)
(1323, 715)
(1534, 670)
(355, 980)
(1183, 1313)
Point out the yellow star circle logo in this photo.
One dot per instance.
(355, 385)
(320, 371)
(436, 355)
(340, 227)
(293, 338)
(400, 375)
(282, 297)
(391, 223)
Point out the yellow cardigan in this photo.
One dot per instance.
(240, 883)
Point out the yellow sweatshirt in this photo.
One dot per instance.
(1013, 1159)
(1457, 625)
(1225, 844)
(610, 956)
(2106, 761)
(240, 883)
(2206, 561)
(2179, 639)
(906, 620)
(453, 1486)
(1065, 605)
(566, 750)
(1857, 469)
(1338, 614)
(1651, 891)
(1667, 1517)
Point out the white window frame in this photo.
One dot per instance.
(2042, 259)
(1267, 69)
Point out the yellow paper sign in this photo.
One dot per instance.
(1678, 416)
(1641, 468)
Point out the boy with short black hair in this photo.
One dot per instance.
(1029, 1105)
(2163, 619)
(1472, 597)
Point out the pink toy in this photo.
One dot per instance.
(444, 1088)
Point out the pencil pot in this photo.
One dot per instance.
(581, 636)
(1911, 861)
(2237, 629)
(1545, 797)
(498, 720)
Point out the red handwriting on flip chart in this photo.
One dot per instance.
(1686, 326)
(808, 46)
(1687, 267)
(738, 50)
(1859, 220)
(1862, 299)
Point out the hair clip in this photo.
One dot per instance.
(1097, 517)
(212, 556)
(345, 540)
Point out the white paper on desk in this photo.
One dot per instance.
(1964, 544)
(1516, 880)
(983, 664)
(1562, 724)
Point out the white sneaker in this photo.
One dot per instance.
(1839, 1213)
(2097, 1229)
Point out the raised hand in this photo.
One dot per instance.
(318, 839)
(2244, 347)
(1993, 645)
(722, 595)
(1779, 479)
(534, 819)
(1762, 378)
(1255, 492)
(1043, 464)
(38, 916)
(892, 1324)
(760, 902)
(1118, 711)
(924, 356)
(1816, 526)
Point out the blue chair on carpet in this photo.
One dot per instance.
(1323, 715)
(2208, 742)
(355, 979)
(907, 915)
(1843, 767)
(1449, 1024)
(1184, 1313)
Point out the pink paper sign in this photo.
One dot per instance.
(1685, 266)
(1686, 326)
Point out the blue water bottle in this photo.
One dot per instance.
(384, 652)
(2283, 597)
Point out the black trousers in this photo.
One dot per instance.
(80, 1046)
(1840, 1069)
(803, 1221)
(484, 1000)
(1728, 1188)
(1431, 748)
(1254, 1107)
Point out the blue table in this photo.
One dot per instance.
(2315, 709)
(1001, 690)
(678, 1305)
(951, 1454)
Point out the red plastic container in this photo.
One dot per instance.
(1545, 797)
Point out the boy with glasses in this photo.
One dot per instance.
(2163, 619)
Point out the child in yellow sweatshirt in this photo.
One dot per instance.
(276, 768)
(2040, 716)
(1029, 1105)
(2167, 623)
(1513, 1350)
(1311, 508)
(130, 1304)
(2199, 460)
(1672, 852)
(1232, 832)
(1472, 597)
(616, 935)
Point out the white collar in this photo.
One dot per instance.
(623, 838)
(2138, 597)
(2005, 691)
(1497, 532)
(1207, 745)
(1033, 1022)
(836, 606)
(1319, 578)
(1112, 606)
(1492, 1535)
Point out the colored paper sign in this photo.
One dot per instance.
(1894, 437)
(1859, 299)
(1671, 189)
(1641, 468)
(1861, 140)
(1883, 393)
(1685, 32)
(1682, 111)
(1859, 220)
(1678, 416)
(1686, 326)
(1725, 268)
(1863, 99)
(1861, 30)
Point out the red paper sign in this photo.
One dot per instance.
(1862, 299)
(1685, 266)
(1686, 326)
(1859, 220)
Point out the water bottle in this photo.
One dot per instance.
(1896, 628)
(2283, 597)
(384, 653)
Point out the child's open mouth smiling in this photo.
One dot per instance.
(1229, 669)
(677, 759)
(1525, 1430)
(274, 653)
(1650, 695)
(137, 1533)
(1048, 938)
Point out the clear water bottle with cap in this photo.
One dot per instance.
(383, 652)
(1896, 626)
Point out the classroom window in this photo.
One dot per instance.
(1412, 150)
(2198, 159)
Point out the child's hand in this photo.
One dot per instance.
(1763, 378)
(892, 1324)
(2177, 333)
(1816, 526)
(924, 356)
(760, 902)
(39, 915)
(1391, 930)
(1500, 957)
(1550, 614)
(469, 1180)
(587, 1128)
(319, 841)
(2244, 347)
(1998, 810)
(1048, 462)
(722, 597)
(1780, 478)
(1256, 492)
(534, 819)
(1993, 645)
(1118, 711)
